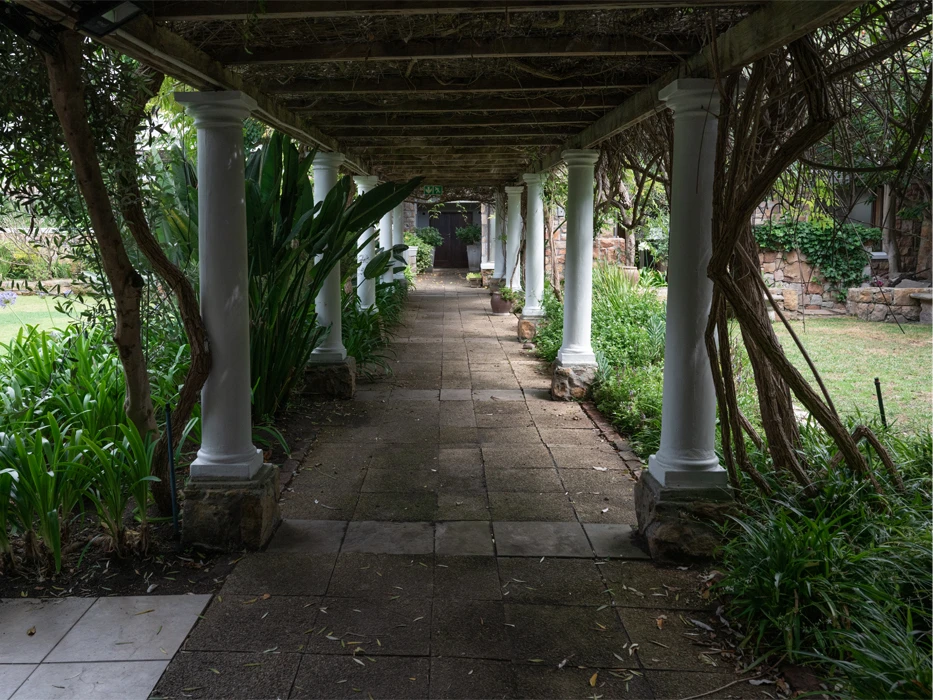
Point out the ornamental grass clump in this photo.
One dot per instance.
(65, 442)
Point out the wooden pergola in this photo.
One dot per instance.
(464, 92)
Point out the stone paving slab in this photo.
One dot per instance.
(48, 620)
(114, 680)
(12, 676)
(130, 628)
(530, 539)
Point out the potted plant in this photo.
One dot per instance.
(475, 279)
(502, 301)
(471, 236)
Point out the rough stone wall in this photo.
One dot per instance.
(607, 247)
(410, 211)
(885, 304)
(796, 283)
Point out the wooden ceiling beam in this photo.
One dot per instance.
(156, 46)
(776, 24)
(446, 134)
(204, 10)
(474, 150)
(494, 104)
(337, 123)
(450, 49)
(491, 85)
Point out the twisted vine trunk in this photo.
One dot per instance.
(131, 207)
(67, 91)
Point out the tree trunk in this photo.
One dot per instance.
(131, 206)
(67, 90)
(629, 247)
(774, 400)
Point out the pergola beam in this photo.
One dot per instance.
(536, 104)
(775, 25)
(160, 48)
(203, 10)
(455, 121)
(449, 49)
(391, 85)
(551, 134)
(476, 150)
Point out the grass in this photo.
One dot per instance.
(849, 353)
(31, 311)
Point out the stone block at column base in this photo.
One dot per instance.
(528, 327)
(681, 524)
(231, 514)
(330, 380)
(571, 382)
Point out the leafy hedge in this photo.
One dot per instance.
(628, 336)
(837, 250)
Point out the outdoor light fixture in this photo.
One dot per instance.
(100, 18)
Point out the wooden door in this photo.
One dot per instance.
(452, 253)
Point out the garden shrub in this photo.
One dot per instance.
(837, 250)
(628, 337)
(842, 579)
(423, 256)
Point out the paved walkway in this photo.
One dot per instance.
(453, 533)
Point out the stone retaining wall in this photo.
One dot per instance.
(801, 285)
(885, 304)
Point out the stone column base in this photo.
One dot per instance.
(330, 380)
(528, 327)
(569, 382)
(232, 514)
(680, 524)
(494, 283)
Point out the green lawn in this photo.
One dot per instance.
(33, 311)
(849, 354)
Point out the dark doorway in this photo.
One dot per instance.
(453, 252)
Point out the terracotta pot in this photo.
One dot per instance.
(632, 273)
(500, 307)
(475, 281)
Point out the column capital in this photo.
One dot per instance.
(366, 182)
(219, 108)
(580, 156)
(328, 160)
(534, 178)
(691, 97)
(514, 190)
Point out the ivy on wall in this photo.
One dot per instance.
(837, 250)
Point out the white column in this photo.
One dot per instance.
(534, 246)
(576, 348)
(328, 303)
(227, 449)
(498, 252)
(687, 458)
(398, 233)
(385, 241)
(366, 289)
(513, 240)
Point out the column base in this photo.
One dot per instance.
(232, 514)
(680, 524)
(494, 283)
(528, 326)
(571, 382)
(334, 380)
